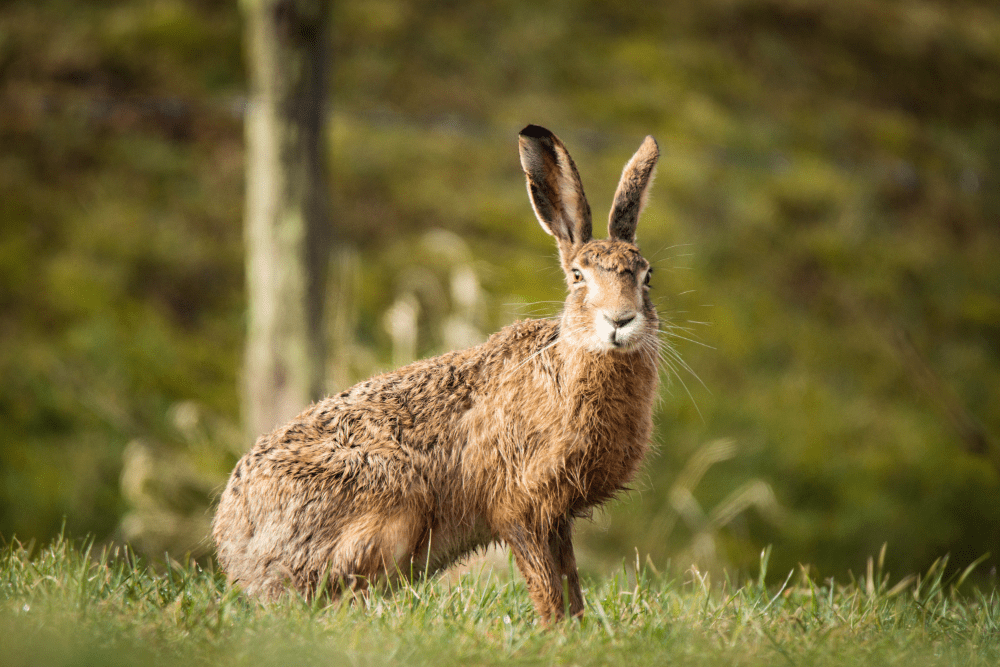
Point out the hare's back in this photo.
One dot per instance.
(342, 451)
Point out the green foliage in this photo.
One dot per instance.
(69, 605)
(823, 227)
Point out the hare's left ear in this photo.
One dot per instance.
(554, 187)
(633, 191)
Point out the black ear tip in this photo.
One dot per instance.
(534, 132)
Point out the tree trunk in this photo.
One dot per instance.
(286, 225)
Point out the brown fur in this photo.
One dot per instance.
(507, 441)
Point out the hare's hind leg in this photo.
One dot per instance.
(371, 549)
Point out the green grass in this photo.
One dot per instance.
(68, 605)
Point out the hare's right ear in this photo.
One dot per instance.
(554, 187)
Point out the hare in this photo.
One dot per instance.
(510, 441)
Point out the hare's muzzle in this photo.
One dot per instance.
(619, 330)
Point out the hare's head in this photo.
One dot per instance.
(608, 307)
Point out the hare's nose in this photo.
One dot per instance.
(620, 321)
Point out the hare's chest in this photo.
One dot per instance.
(616, 444)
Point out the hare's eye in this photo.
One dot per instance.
(577, 275)
(649, 274)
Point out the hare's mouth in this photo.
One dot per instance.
(624, 344)
(619, 347)
(616, 342)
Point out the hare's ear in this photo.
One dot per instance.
(554, 187)
(633, 191)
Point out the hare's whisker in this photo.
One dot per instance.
(666, 248)
(534, 355)
(690, 340)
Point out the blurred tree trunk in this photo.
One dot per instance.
(287, 230)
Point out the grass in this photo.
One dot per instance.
(67, 605)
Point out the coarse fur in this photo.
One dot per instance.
(508, 441)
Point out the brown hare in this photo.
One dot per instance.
(508, 441)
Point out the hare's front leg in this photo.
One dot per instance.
(543, 559)
(561, 547)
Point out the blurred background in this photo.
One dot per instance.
(825, 228)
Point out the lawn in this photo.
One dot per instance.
(70, 604)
